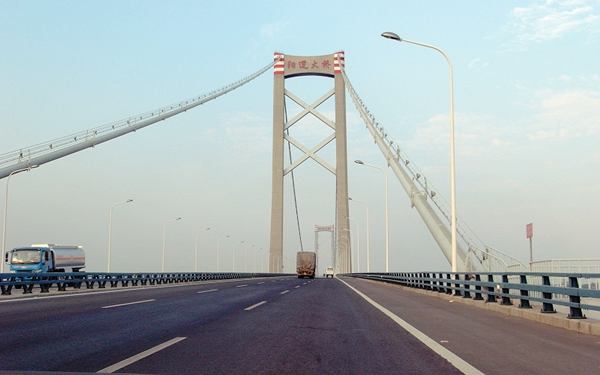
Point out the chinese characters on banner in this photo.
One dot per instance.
(299, 65)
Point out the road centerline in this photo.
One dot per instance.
(128, 303)
(255, 305)
(126, 362)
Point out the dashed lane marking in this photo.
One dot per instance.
(284, 292)
(262, 282)
(126, 362)
(297, 286)
(255, 305)
(128, 303)
(207, 291)
(241, 286)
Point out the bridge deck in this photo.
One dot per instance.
(317, 327)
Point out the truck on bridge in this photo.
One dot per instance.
(306, 264)
(46, 258)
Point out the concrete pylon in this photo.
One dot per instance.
(288, 66)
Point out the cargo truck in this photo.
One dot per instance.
(306, 264)
(46, 258)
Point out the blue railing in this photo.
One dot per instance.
(564, 289)
(88, 280)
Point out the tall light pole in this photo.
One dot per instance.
(395, 37)
(108, 253)
(241, 243)
(368, 234)
(6, 213)
(162, 267)
(253, 255)
(357, 246)
(218, 244)
(387, 221)
(196, 250)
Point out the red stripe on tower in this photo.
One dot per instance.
(279, 66)
(338, 62)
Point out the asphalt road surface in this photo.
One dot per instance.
(277, 326)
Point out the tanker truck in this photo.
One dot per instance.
(46, 258)
(306, 264)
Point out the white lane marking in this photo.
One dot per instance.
(460, 364)
(284, 292)
(207, 291)
(241, 286)
(255, 305)
(126, 362)
(262, 282)
(128, 303)
(129, 289)
(304, 283)
(297, 286)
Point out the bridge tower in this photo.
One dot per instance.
(325, 228)
(288, 66)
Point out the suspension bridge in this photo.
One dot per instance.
(214, 322)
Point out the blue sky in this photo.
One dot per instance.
(528, 122)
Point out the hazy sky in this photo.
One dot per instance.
(527, 128)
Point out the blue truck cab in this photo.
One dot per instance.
(46, 258)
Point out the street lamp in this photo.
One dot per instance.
(241, 243)
(6, 212)
(368, 234)
(394, 36)
(110, 231)
(162, 267)
(218, 244)
(196, 250)
(387, 221)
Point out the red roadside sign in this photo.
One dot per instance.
(529, 230)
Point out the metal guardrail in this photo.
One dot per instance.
(77, 280)
(506, 286)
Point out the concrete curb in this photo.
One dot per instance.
(558, 319)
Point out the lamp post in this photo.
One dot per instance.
(241, 243)
(108, 253)
(219, 251)
(357, 246)
(162, 267)
(368, 234)
(196, 250)
(395, 37)
(253, 256)
(6, 212)
(387, 222)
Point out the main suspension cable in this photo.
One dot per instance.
(45, 152)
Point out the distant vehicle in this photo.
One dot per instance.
(306, 264)
(46, 258)
(329, 272)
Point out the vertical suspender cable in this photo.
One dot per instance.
(293, 179)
